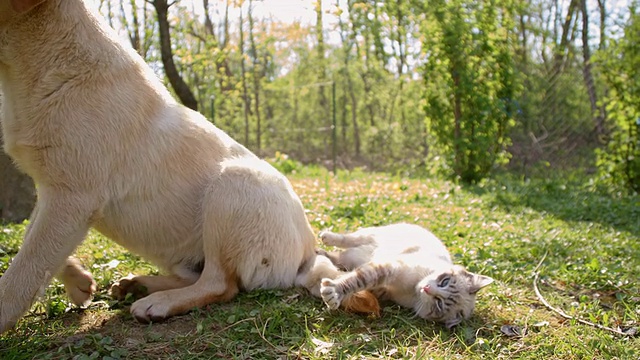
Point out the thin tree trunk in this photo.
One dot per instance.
(133, 28)
(222, 64)
(587, 72)
(256, 79)
(603, 24)
(177, 83)
(208, 24)
(225, 41)
(457, 113)
(245, 94)
(367, 84)
(560, 55)
(322, 71)
(348, 42)
(146, 34)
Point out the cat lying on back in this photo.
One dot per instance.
(406, 264)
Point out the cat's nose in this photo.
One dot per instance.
(426, 289)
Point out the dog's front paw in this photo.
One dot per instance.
(128, 285)
(81, 292)
(151, 308)
(78, 283)
(330, 294)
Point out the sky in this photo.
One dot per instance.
(284, 10)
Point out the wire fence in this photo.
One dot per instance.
(317, 123)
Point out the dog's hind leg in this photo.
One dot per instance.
(140, 286)
(57, 227)
(216, 284)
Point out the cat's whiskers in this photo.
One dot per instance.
(418, 311)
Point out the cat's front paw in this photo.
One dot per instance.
(330, 294)
(329, 238)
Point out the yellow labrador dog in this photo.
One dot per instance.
(109, 148)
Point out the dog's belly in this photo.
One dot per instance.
(164, 229)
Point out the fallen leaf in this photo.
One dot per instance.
(512, 330)
(322, 347)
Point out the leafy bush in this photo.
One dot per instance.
(619, 162)
(470, 84)
(284, 164)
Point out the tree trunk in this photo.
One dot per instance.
(348, 40)
(322, 72)
(560, 56)
(177, 83)
(257, 76)
(17, 193)
(245, 93)
(222, 64)
(596, 112)
(208, 24)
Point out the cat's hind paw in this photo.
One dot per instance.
(330, 294)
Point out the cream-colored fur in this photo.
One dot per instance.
(109, 148)
(406, 264)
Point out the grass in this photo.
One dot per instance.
(501, 228)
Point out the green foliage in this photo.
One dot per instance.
(619, 163)
(91, 347)
(470, 83)
(284, 164)
(474, 83)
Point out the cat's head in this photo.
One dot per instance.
(448, 296)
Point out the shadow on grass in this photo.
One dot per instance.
(262, 325)
(570, 199)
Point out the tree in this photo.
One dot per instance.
(619, 162)
(348, 42)
(597, 111)
(471, 83)
(177, 83)
(245, 91)
(257, 74)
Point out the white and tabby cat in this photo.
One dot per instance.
(406, 264)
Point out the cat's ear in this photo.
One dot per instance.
(477, 282)
(21, 6)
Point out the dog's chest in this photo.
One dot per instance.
(32, 151)
(29, 156)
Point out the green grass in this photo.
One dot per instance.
(501, 228)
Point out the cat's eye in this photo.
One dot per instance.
(439, 304)
(444, 282)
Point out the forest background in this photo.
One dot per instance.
(460, 88)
